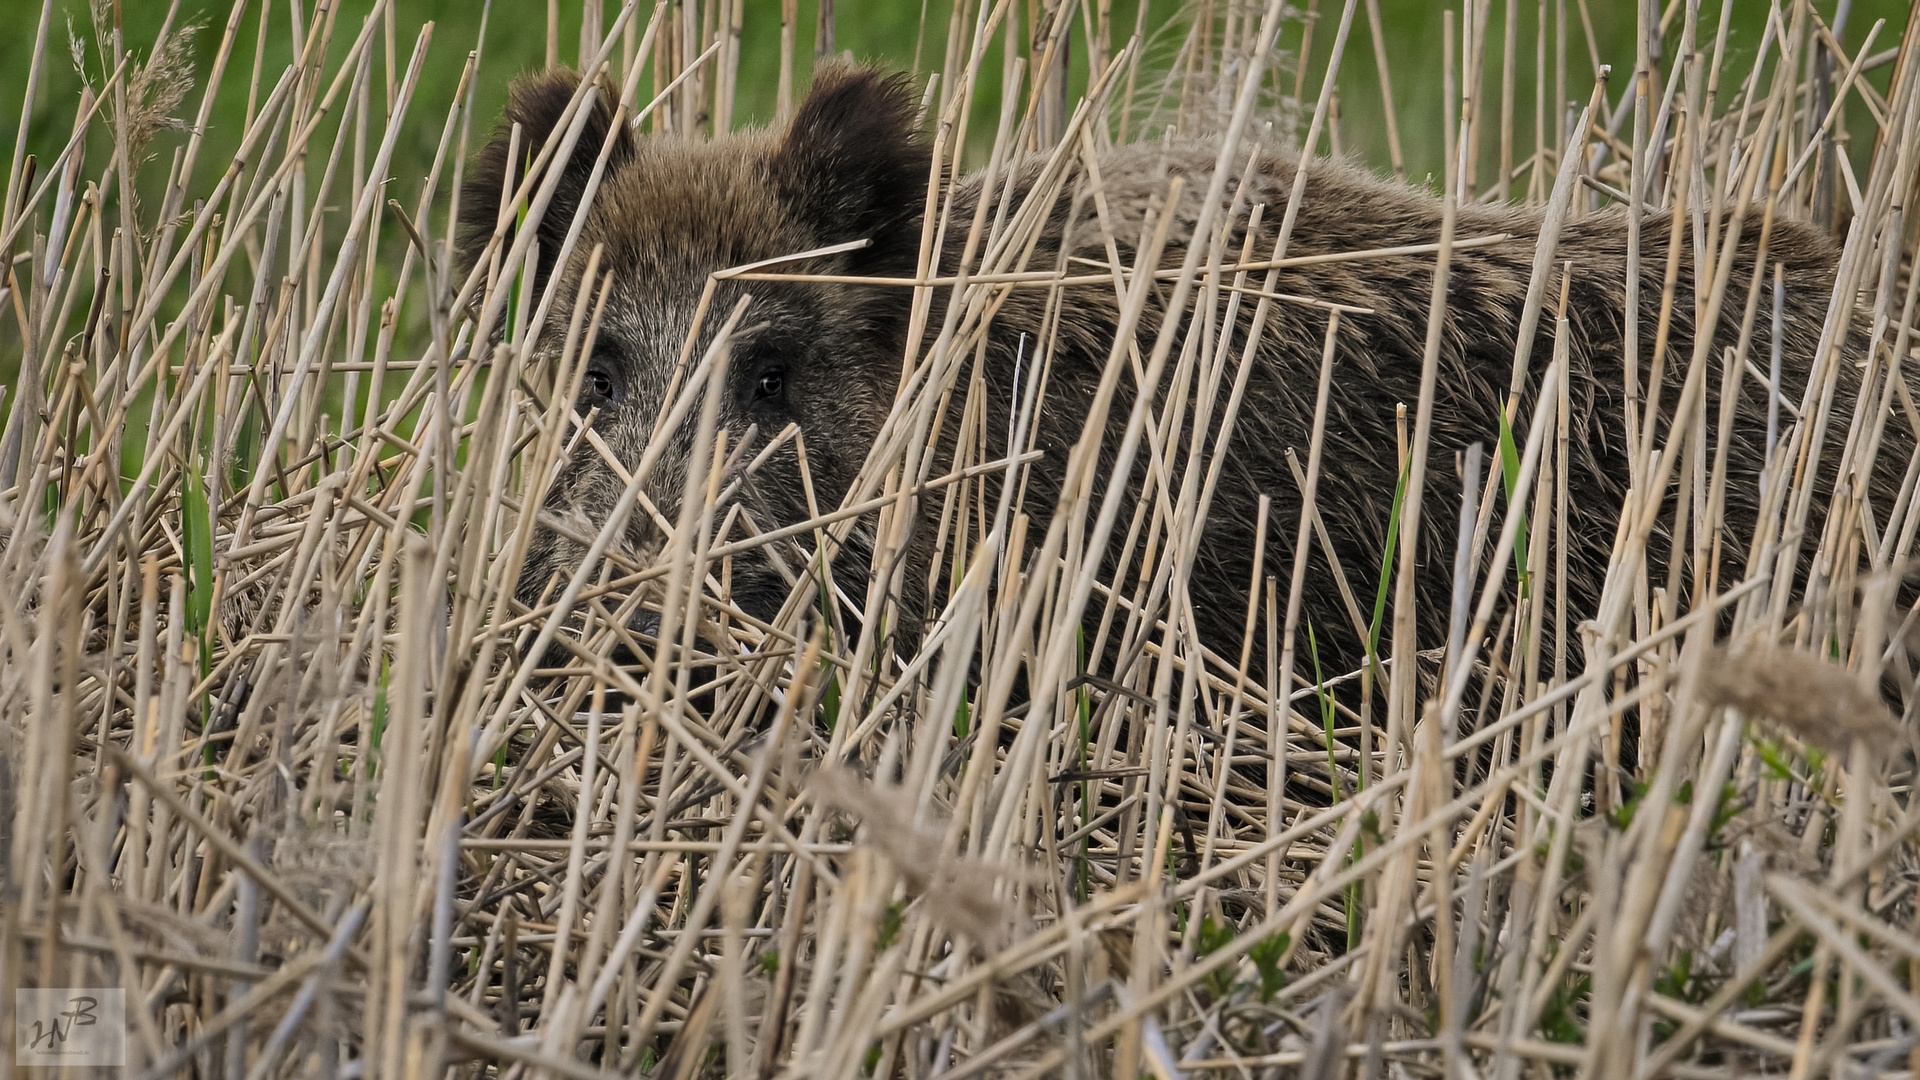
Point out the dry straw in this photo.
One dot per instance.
(284, 755)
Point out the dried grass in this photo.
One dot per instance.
(282, 755)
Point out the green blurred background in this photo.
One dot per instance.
(889, 32)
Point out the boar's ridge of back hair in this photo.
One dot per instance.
(1378, 363)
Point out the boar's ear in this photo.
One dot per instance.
(538, 103)
(853, 163)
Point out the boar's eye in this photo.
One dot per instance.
(771, 384)
(599, 389)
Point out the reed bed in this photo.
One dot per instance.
(287, 761)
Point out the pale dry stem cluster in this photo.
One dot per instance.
(284, 761)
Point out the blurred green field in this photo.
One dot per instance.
(893, 33)
(889, 32)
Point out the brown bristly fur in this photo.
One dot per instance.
(852, 167)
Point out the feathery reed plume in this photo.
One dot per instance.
(1819, 701)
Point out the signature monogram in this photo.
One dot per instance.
(70, 1026)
